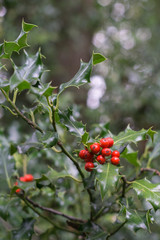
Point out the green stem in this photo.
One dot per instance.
(6, 172)
(15, 95)
(32, 124)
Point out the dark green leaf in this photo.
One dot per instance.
(131, 158)
(49, 139)
(27, 26)
(148, 191)
(130, 135)
(134, 221)
(83, 75)
(107, 177)
(32, 142)
(28, 74)
(74, 127)
(85, 137)
(98, 58)
(94, 231)
(53, 175)
(25, 231)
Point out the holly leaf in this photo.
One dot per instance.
(28, 74)
(8, 47)
(67, 120)
(148, 191)
(107, 176)
(130, 135)
(25, 231)
(131, 158)
(53, 175)
(134, 220)
(83, 75)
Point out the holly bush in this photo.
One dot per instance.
(46, 192)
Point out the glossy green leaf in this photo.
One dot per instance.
(26, 27)
(107, 177)
(85, 137)
(98, 58)
(149, 191)
(28, 74)
(130, 135)
(48, 139)
(43, 90)
(83, 75)
(25, 231)
(131, 158)
(8, 47)
(53, 175)
(134, 220)
(74, 127)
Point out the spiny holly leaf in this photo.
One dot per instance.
(130, 135)
(131, 158)
(83, 75)
(25, 231)
(28, 74)
(43, 89)
(98, 58)
(149, 191)
(107, 177)
(85, 137)
(134, 220)
(53, 175)
(38, 141)
(8, 47)
(74, 127)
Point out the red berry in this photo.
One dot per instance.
(22, 179)
(95, 148)
(82, 153)
(101, 159)
(89, 166)
(106, 151)
(104, 143)
(110, 140)
(115, 153)
(18, 190)
(115, 160)
(28, 178)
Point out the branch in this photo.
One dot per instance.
(69, 155)
(116, 230)
(46, 218)
(19, 113)
(150, 170)
(54, 211)
(124, 186)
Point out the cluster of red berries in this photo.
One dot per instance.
(25, 178)
(99, 152)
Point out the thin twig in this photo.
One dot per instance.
(124, 186)
(116, 230)
(53, 211)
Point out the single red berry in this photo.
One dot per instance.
(115, 153)
(106, 151)
(82, 154)
(110, 140)
(89, 166)
(28, 178)
(101, 159)
(22, 179)
(115, 160)
(95, 148)
(104, 143)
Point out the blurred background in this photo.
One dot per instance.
(124, 89)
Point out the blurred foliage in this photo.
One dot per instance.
(126, 32)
